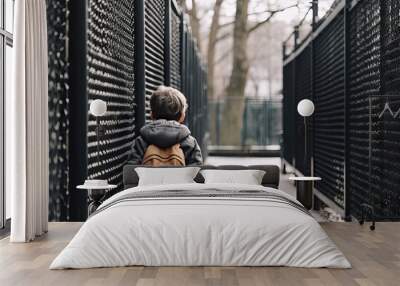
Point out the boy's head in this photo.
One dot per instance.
(168, 103)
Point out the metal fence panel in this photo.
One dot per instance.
(194, 88)
(388, 204)
(154, 40)
(58, 110)
(261, 122)
(176, 49)
(364, 81)
(303, 89)
(329, 129)
(289, 111)
(349, 124)
(111, 30)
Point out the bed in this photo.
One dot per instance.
(198, 224)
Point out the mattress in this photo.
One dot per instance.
(201, 225)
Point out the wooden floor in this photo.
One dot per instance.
(375, 257)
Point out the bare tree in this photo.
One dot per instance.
(182, 3)
(232, 114)
(212, 43)
(195, 23)
(211, 51)
(218, 34)
(234, 105)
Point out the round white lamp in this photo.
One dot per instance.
(305, 108)
(98, 107)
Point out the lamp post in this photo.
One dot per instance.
(98, 108)
(304, 185)
(97, 188)
(305, 108)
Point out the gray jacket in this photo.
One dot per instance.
(163, 134)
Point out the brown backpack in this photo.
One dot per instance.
(171, 156)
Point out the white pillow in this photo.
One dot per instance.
(248, 177)
(166, 176)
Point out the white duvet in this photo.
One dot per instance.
(200, 231)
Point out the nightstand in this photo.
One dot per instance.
(304, 190)
(97, 189)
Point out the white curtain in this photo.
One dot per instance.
(27, 124)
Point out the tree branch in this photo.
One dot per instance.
(223, 36)
(226, 24)
(273, 12)
(223, 57)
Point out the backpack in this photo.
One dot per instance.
(171, 156)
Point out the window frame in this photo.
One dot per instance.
(6, 39)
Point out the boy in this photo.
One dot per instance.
(166, 132)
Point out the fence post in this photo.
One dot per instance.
(218, 121)
(314, 14)
(267, 116)
(346, 112)
(244, 122)
(182, 55)
(312, 77)
(78, 108)
(284, 50)
(140, 97)
(167, 43)
(296, 36)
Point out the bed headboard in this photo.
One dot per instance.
(270, 179)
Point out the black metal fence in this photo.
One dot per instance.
(349, 66)
(194, 86)
(111, 77)
(261, 124)
(117, 51)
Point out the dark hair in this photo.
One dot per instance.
(167, 103)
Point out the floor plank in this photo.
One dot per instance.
(375, 257)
